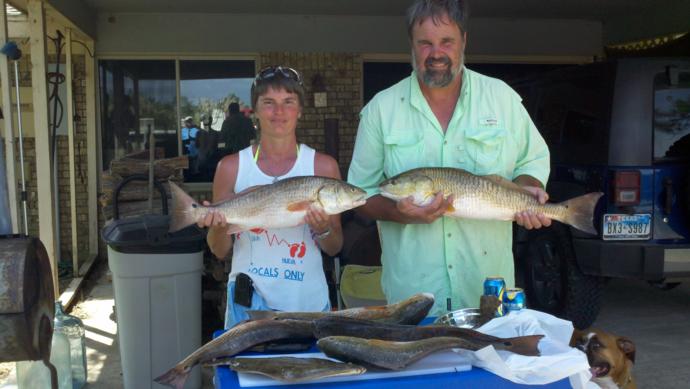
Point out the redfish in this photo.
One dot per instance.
(281, 204)
(486, 197)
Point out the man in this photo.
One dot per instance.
(189, 141)
(445, 115)
(237, 130)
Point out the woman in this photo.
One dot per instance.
(278, 269)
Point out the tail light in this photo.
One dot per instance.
(626, 188)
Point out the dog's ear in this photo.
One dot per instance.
(627, 347)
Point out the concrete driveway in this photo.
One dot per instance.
(659, 324)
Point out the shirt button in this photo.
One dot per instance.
(445, 142)
(450, 266)
(449, 235)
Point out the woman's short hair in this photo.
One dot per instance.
(277, 78)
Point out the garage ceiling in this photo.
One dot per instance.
(567, 9)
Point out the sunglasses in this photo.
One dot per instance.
(272, 71)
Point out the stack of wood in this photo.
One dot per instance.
(133, 198)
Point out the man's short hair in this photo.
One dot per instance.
(420, 10)
(234, 107)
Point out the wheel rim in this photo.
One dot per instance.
(545, 276)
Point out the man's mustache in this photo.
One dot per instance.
(434, 61)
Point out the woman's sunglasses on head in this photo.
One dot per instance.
(272, 71)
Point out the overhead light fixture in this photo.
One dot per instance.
(11, 11)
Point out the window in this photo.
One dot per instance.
(377, 76)
(206, 90)
(138, 96)
(672, 116)
(572, 112)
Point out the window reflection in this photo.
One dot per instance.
(137, 96)
(207, 89)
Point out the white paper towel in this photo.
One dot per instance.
(557, 361)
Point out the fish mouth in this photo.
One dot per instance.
(359, 203)
(600, 369)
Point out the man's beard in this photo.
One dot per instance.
(437, 78)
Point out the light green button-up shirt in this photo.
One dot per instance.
(490, 133)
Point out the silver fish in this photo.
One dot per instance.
(292, 369)
(410, 311)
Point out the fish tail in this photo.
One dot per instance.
(175, 377)
(523, 345)
(182, 213)
(580, 212)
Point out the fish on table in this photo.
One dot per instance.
(390, 355)
(278, 205)
(237, 339)
(490, 197)
(366, 329)
(410, 311)
(292, 369)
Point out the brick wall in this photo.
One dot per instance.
(342, 77)
(64, 229)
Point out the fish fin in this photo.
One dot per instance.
(183, 205)
(523, 345)
(581, 211)
(258, 315)
(498, 180)
(299, 206)
(218, 362)
(174, 378)
(450, 208)
(235, 228)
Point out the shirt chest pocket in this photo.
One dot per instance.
(485, 148)
(403, 151)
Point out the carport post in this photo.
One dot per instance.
(71, 136)
(44, 176)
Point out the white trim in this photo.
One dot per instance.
(488, 58)
(44, 175)
(179, 56)
(529, 59)
(93, 132)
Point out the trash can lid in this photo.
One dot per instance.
(148, 234)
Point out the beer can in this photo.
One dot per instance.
(514, 300)
(495, 286)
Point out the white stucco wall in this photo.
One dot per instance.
(215, 33)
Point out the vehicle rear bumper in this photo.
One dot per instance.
(649, 261)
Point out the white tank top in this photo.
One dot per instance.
(285, 264)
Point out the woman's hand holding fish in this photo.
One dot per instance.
(318, 220)
(416, 214)
(212, 219)
(530, 220)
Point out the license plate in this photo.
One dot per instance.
(626, 227)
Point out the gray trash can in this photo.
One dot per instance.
(157, 285)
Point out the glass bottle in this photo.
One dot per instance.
(73, 328)
(35, 375)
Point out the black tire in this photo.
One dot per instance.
(553, 280)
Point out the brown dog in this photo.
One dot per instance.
(610, 358)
